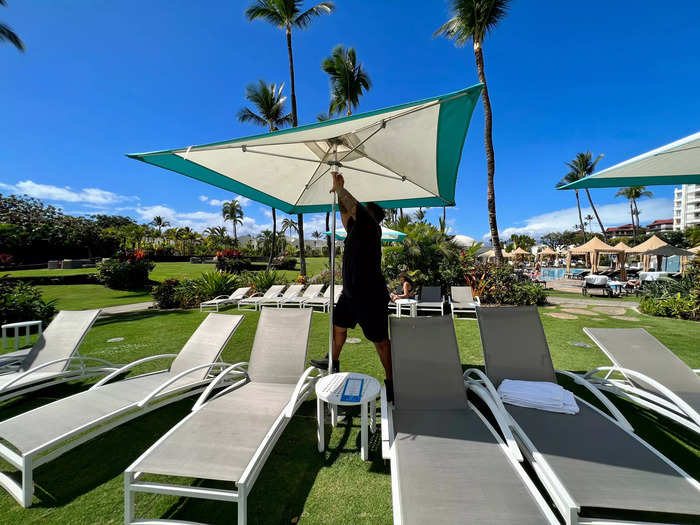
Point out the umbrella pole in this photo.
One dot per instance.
(331, 304)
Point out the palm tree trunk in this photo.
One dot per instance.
(235, 234)
(636, 213)
(490, 160)
(634, 226)
(595, 212)
(401, 212)
(444, 215)
(291, 77)
(274, 238)
(580, 217)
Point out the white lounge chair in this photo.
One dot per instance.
(324, 301)
(312, 291)
(229, 436)
(290, 293)
(222, 300)
(254, 300)
(462, 301)
(652, 375)
(431, 300)
(36, 437)
(54, 358)
(592, 464)
(448, 464)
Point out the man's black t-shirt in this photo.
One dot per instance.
(362, 259)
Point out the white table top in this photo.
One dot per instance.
(406, 301)
(330, 388)
(616, 283)
(21, 324)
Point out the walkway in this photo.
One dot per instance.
(591, 302)
(126, 308)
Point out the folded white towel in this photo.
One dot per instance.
(541, 395)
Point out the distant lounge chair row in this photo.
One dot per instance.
(590, 465)
(277, 296)
(430, 299)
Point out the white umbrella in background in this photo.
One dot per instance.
(387, 234)
(675, 163)
(399, 157)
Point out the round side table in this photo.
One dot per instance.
(329, 389)
(412, 305)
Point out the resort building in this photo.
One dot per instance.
(660, 225)
(626, 230)
(686, 206)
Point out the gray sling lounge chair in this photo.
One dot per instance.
(222, 300)
(229, 436)
(462, 300)
(448, 464)
(273, 292)
(654, 377)
(431, 300)
(54, 357)
(41, 435)
(324, 301)
(591, 463)
(290, 293)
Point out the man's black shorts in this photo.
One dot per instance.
(371, 314)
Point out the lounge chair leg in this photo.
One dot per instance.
(363, 432)
(320, 433)
(242, 505)
(27, 483)
(373, 415)
(128, 498)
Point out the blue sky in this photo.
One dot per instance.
(101, 79)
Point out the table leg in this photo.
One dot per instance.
(398, 310)
(373, 415)
(414, 310)
(320, 433)
(4, 335)
(334, 415)
(363, 432)
(26, 335)
(41, 331)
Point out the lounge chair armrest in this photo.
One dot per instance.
(697, 370)
(256, 294)
(482, 379)
(219, 297)
(301, 384)
(599, 395)
(36, 369)
(170, 381)
(10, 362)
(502, 418)
(477, 301)
(235, 369)
(124, 368)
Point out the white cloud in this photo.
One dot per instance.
(243, 201)
(610, 214)
(93, 196)
(215, 202)
(203, 198)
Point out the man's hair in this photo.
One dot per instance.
(376, 211)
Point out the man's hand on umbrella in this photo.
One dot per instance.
(338, 181)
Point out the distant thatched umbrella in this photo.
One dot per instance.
(593, 248)
(651, 243)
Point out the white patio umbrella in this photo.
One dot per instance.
(399, 157)
(674, 163)
(388, 235)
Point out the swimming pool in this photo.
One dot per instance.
(550, 274)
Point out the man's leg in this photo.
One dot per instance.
(340, 334)
(384, 351)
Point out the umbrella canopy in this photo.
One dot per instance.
(387, 234)
(622, 247)
(651, 243)
(669, 251)
(487, 255)
(399, 157)
(592, 246)
(694, 250)
(547, 251)
(675, 163)
(621, 258)
(520, 251)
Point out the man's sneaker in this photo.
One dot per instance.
(322, 364)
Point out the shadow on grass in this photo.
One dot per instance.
(32, 400)
(105, 320)
(105, 457)
(278, 495)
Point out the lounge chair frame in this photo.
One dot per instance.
(256, 299)
(294, 292)
(223, 300)
(313, 291)
(477, 381)
(430, 308)
(664, 402)
(133, 482)
(324, 301)
(75, 368)
(456, 307)
(157, 398)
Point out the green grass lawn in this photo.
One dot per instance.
(86, 484)
(579, 295)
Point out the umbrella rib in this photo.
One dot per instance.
(311, 180)
(248, 150)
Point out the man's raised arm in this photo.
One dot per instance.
(346, 202)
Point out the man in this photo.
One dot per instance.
(365, 297)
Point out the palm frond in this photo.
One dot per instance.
(265, 10)
(303, 20)
(8, 35)
(247, 115)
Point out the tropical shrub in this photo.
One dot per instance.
(20, 301)
(502, 285)
(324, 276)
(5, 259)
(670, 306)
(674, 298)
(213, 284)
(129, 271)
(164, 294)
(284, 263)
(232, 261)
(263, 279)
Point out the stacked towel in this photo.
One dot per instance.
(541, 395)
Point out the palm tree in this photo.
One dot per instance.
(471, 20)
(419, 214)
(289, 225)
(582, 166)
(269, 111)
(232, 211)
(8, 35)
(633, 194)
(348, 79)
(589, 220)
(287, 14)
(160, 223)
